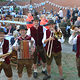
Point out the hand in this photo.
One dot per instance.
(4, 56)
(32, 49)
(58, 30)
(73, 33)
(16, 48)
(76, 29)
(50, 38)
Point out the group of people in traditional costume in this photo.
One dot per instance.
(37, 35)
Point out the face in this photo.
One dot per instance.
(51, 27)
(36, 23)
(79, 29)
(9, 27)
(0, 24)
(1, 36)
(29, 14)
(44, 17)
(22, 32)
(56, 17)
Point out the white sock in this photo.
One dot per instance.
(35, 70)
(19, 78)
(43, 68)
(61, 77)
(29, 78)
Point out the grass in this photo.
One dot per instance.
(69, 68)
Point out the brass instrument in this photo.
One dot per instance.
(57, 35)
(3, 55)
(49, 54)
(7, 54)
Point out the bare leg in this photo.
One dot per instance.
(48, 76)
(49, 69)
(30, 78)
(35, 74)
(60, 70)
(44, 65)
(35, 68)
(20, 76)
(10, 78)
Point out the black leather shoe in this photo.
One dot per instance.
(35, 74)
(44, 72)
(46, 77)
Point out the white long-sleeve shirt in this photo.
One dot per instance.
(61, 13)
(60, 40)
(72, 40)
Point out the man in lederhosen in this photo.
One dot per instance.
(5, 60)
(23, 62)
(36, 32)
(53, 48)
(74, 40)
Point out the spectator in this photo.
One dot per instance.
(74, 40)
(79, 12)
(3, 28)
(29, 21)
(60, 13)
(68, 15)
(44, 10)
(51, 11)
(74, 15)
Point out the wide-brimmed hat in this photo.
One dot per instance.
(35, 18)
(2, 30)
(77, 24)
(50, 22)
(22, 27)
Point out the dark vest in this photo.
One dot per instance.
(78, 46)
(5, 48)
(56, 44)
(37, 34)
